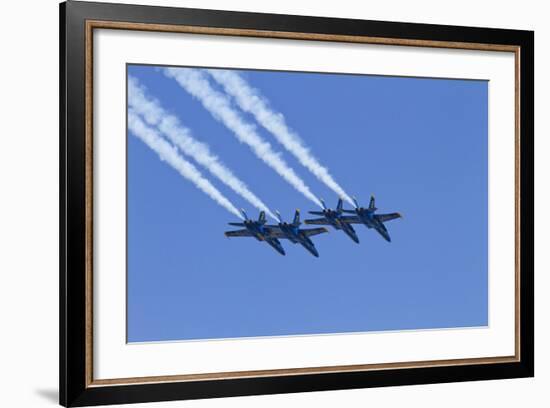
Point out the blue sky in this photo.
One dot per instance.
(419, 145)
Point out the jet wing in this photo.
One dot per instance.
(317, 221)
(388, 217)
(238, 233)
(314, 231)
(276, 245)
(351, 219)
(273, 231)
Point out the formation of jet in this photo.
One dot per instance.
(333, 217)
(272, 233)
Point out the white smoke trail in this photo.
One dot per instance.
(169, 154)
(196, 83)
(170, 126)
(252, 101)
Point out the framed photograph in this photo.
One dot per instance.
(256, 204)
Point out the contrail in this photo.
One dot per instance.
(196, 83)
(169, 154)
(170, 126)
(252, 101)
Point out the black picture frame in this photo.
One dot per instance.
(75, 387)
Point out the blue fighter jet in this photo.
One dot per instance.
(295, 234)
(368, 217)
(334, 218)
(258, 230)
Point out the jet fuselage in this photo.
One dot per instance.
(296, 236)
(367, 217)
(258, 230)
(335, 219)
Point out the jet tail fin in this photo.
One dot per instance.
(340, 205)
(371, 203)
(296, 218)
(261, 218)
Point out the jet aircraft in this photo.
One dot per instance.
(256, 229)
(335, 219)
(368, 217)
(295, 234)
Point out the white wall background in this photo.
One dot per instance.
(29, 202)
